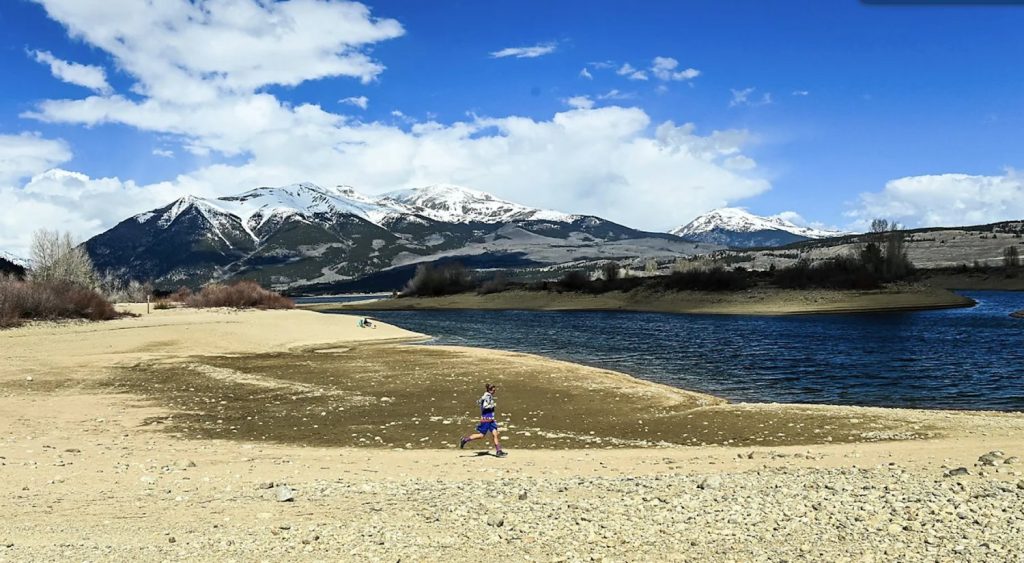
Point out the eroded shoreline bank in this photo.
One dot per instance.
(762, 301)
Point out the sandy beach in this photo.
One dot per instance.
(759, 301)
(173, 435)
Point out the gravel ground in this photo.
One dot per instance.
(884, 513)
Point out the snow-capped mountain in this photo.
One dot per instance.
(9, 265)
(455, 204)
(304, 234)
(257, 209)
(738, 228)
(17, 260)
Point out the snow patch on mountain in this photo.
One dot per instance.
(733, 219)
(23, 262)
(443, 202)
(457, 204)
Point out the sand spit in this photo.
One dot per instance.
(761, 301)
(173, 436)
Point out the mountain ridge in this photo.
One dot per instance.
(304, 234)
(738, 228)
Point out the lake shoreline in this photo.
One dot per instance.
(760, 301)
(289, 435)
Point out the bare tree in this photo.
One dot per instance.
(56, 258)
(891, 264)
(610, 271)
(1011, 257)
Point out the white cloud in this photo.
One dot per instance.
(945, 200)
(740, 162)
(801, 93)
(182, 51)
(361, 102)
(609, 161)
(28, 154)
(615, 94)
(580, 102)
(743, 98)
(533, 52)
(664, 68)
(584, 73)
(792, 217)
(600, 161)
(631, 73)
(91, 77)
(163, 153)
(76, 203)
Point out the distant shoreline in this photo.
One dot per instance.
(761, 301)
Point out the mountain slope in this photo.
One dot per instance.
(738, 228)
(9, 267)
(304, 235)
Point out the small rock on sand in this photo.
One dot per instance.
(991, 458)
(958, 471)
(495, 520)
(710, 482)
(284, 493)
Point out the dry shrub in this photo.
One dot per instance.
(434, 281)
(239, 295)
(44, 300)
(181, 295)
(162, 304)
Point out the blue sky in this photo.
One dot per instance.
(832, 111)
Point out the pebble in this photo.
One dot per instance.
(710, 482)
(991, 458)
(284, 493)
(770, 514)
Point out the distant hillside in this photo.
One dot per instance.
(930, 247)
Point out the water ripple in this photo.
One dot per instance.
(960, 358)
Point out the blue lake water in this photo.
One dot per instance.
(970, 358)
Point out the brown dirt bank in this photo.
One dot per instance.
(994, 279)
(761, 301)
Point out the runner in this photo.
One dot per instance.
(487, 424)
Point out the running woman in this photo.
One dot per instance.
(487, 424)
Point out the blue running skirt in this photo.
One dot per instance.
(485, 427)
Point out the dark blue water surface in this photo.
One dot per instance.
(970, 358)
